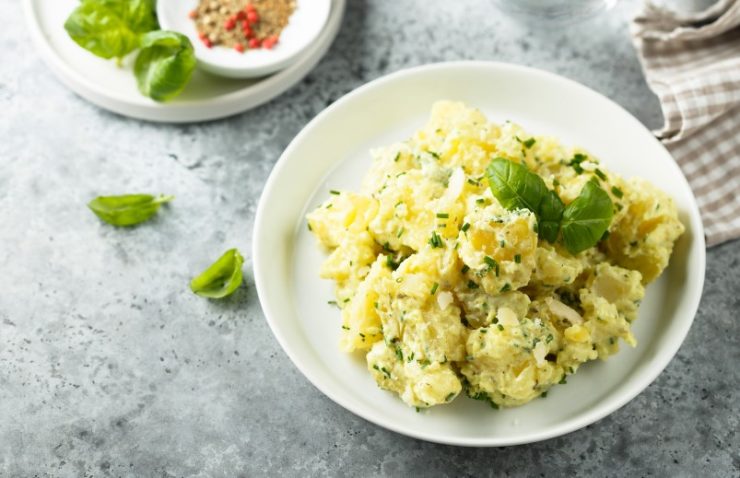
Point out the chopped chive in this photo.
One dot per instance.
(472, 285)
(434, 288)
(473, 182)
(617, 192)
(549, 338)
(400, 232)
(544, 395)
(332, 302)
(329, 206)
(398, 155)
(465, 227)
(465, 269)
(563, 381)
(345, 327)
(435, 241)
(436, 155)
(399, 353)
(600, 174)
(443, 215)
(518, 258)
(335, 192)
(500, 327)
(490, 261)
(480, 200)
(555, 182)
(309, 226)
(502, 243)
(506, 287)
(529, 143)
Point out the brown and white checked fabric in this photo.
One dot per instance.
(692, 62)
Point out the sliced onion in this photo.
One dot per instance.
(507, 317)
(444, 299)
(563, 311)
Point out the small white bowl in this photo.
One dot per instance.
(303, 28)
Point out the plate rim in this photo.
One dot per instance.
(569, 426)
(189, 111)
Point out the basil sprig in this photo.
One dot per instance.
(115, 28)
(222, 278)
(583, 222)
(129, 209)
(111, 28)
(164, 65)
(587, 218)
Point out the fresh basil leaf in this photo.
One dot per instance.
(514, 185)
(127, 210)
(164, 65)
(111, 28)
(587, 218)
(222, 278)
(549, 216)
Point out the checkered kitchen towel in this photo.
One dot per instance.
(692, 62)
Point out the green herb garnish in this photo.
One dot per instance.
(517, 258)
(582, 223)
(587, 218)
(115, 28)
(335, 192)
(111, 28)
(164, 65)
(465, 227)
(222, 278)
(443, 215)
(436, 241)
(434, 288)
(129, 209)
(617, 192)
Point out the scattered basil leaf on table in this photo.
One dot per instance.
(111, 28)
(582, 223)
(587, 218)
(164, 64)
(129, 209)
(222, 278)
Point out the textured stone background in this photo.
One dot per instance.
(109, 366)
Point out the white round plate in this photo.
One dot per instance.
(114, 88)
(304, 27)
(332, 153)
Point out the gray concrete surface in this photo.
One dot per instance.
(109, 366)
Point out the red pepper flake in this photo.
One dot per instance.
(269, 42)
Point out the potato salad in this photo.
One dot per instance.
(476, 258)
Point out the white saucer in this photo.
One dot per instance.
(303, 29)
(114, 88)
